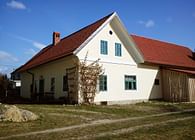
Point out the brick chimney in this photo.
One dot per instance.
(56, 38)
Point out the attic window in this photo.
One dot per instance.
(110, 32)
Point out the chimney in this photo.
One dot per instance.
(56, 38)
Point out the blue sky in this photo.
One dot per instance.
(26, 26)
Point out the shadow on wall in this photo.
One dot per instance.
(156, 88)
(156, 91)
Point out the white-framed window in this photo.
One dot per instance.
(130, 82)
(118, 51)
(104, 47)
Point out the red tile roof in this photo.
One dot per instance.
(163, 53)
(65, 47)
(153, 51)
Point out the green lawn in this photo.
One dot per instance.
(57, 116)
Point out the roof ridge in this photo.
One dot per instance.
(162, 41)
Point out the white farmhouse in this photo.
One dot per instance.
(136, 68)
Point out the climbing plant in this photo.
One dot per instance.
(88, 77)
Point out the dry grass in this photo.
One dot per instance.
(55, 116)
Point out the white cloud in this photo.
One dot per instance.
(148, 24)
(31, 51)
(141, 22)
(16, 5)
(36, 44)
(7, 57)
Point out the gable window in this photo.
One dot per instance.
(52, 87)
(65, 83)
(103, 83)
(118, 49)
(104, 47)
(130, 82)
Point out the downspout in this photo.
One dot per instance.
(32, 84)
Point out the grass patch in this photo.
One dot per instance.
(93, 130)
(56, 116)
(182, 130)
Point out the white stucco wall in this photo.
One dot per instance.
(117, 67)
(26, 80)
(56, 69)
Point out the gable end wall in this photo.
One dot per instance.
(117, 67)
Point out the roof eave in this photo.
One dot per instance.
(34, 66)
(168, 65)
(138, 56)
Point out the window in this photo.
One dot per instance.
(103, 83)
(130, 82)
(52, 87)
(118, 49)
(104, 47)
(65, 83)
(156, 82)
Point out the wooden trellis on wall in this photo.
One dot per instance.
(88, 77)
